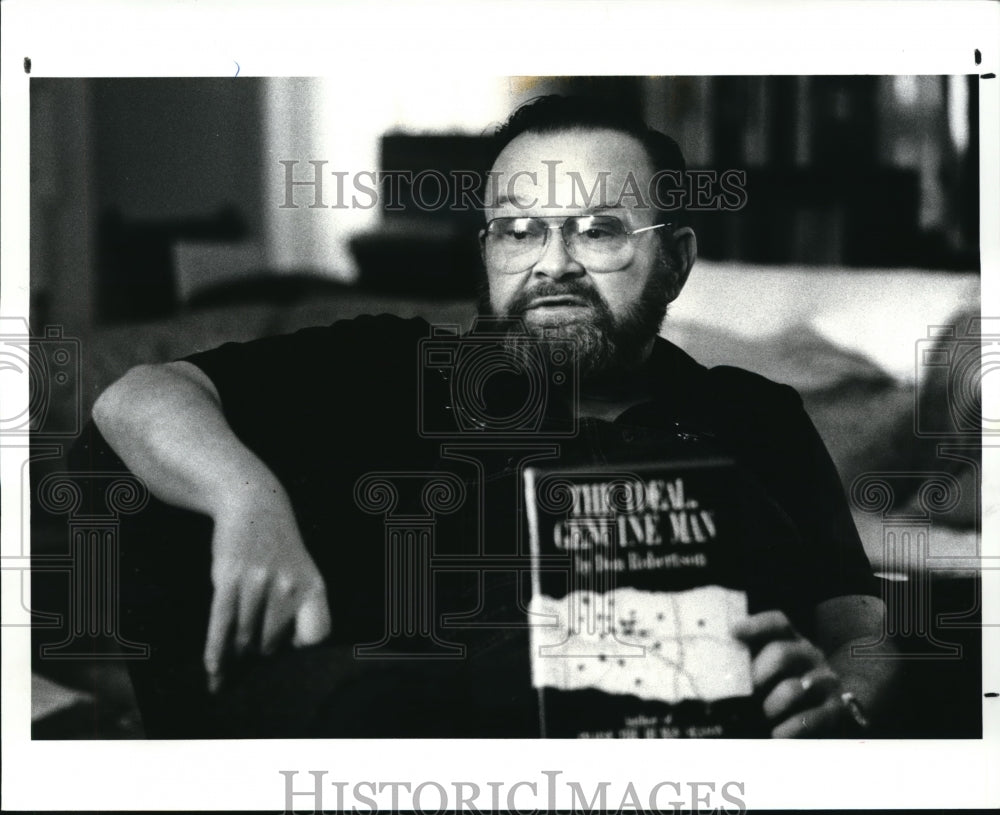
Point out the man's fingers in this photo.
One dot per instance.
(782, 659)
(798, 693)
(252, 596)
(312, 623)
(760, 629)
(279, 616)
(220, 623)
(816, 721)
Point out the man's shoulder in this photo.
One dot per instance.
(724, 388)
(753, 385)
(360, 348)
(372, 349)
(389, 327)
(362, 334)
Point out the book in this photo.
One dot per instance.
(637, 575)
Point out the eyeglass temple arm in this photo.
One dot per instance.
(646, 228)
(558, 228)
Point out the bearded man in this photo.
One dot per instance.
(584, 246)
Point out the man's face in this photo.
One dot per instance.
(612, 313)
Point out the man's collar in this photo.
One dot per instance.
(677, 390)
(672, 371)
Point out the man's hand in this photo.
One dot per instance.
(266, 584)
(802, 694)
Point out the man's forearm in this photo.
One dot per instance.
(870, 677)
(166, 424)
(855, 622)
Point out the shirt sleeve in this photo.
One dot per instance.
(842, 567)
(321, 407)
(769, 424)
(278, 392)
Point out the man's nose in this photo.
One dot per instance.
(555, 261)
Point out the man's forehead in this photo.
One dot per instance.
(568, 168)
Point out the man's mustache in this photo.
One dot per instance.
(523, 300)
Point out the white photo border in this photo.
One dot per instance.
(495, 38)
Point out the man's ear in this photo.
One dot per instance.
(482, 246)
(683, 252)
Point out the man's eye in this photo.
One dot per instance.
(517, 233)
(597, 233)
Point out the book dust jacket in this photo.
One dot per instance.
(637, 575)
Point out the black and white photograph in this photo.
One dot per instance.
(381, 413)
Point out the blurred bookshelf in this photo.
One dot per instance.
(841, 170)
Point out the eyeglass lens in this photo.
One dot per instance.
(598, 242)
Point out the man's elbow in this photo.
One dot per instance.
(120, 399)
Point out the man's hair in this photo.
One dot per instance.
(555, 114)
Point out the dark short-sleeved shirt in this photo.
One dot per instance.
(327, 407)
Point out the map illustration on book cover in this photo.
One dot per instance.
(636, 578)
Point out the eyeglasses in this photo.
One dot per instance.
(600, 243)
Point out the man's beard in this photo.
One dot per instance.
(605, 345)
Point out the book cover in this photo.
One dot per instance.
(637, 575)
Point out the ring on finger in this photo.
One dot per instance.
(811, 679)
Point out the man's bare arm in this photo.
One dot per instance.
(167, 425)
(845, 623)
